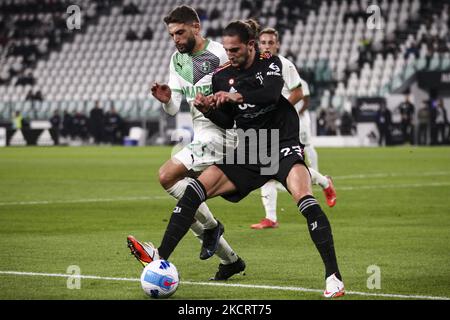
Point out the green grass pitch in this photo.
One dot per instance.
(61, 207)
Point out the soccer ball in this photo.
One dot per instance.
(159, 279)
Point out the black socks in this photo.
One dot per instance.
(182, 218)
(320, 231)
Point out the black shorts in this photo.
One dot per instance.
(248, 177)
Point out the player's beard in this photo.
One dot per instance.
(188, 47)
(242, 61)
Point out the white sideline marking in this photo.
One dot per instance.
(300, 289)
(84, 200)
(163, 197)
(397, 186)
(389, 175)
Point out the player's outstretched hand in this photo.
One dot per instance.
(202, 103)
(223, 97)
(161, 92)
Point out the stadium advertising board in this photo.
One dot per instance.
(366, 108)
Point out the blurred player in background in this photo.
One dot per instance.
(191, 69)
(296, 90)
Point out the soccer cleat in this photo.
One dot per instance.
(227, 270)
(334, 287)
(330, 193)
(264, 224)
(144, 252)
(211, 239)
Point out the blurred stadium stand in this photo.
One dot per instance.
(111, 61)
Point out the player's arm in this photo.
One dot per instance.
(295, 95)
(306, 94)
(220, 118)
(215, 108)
(305, 104)
(169, 94)
(217, 114)
(171, 100)
(293, 82)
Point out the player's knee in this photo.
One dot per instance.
(299, 182)
(166, 179)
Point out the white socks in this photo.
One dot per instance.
(269, 199)
(316, 176)
(177, 190)
(311, 154)
(319, 179)
(205, 220)
(203, 214)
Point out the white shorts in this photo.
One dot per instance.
(305, 128)
(197, 156)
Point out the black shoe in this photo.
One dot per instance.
(211, 239)
(228, 270)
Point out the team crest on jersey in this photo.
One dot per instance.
(206, 67)
(260, 77)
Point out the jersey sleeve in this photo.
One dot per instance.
(174, 84)
(174, 104)
(305, 88)
(223, 116)
(291, 76)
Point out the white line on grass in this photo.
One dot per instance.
(219, 284)
(397, 186)
(389, 175)
(84, 200)
(164, 197)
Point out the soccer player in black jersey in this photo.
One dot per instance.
(247, 94)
